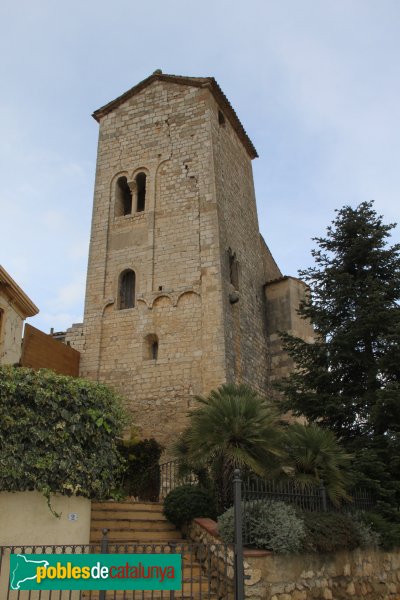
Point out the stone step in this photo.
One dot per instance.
(153, 595)
(132, 524)
(188, 557)
(128, 513)
(126, 535)
(117, 506)
(190, 590)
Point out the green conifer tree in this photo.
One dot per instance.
(349, 379)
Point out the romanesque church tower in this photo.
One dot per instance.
(176, 297)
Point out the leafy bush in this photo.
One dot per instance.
(58, 434)
(369, 538)
(141, 477)
(270, 525)
(281, 528)
(226, 525)
(329, 532)
(185, 503)
(277, 527)
(388, 532)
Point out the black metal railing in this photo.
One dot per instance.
(311, 498)
(255, 489)
(204, 571)
(170, 478)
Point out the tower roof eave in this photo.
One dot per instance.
(201, 82)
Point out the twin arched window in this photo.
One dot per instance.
(140, 181)
(130, 196)
(123, 197)
(126, 289)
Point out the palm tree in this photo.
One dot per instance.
(233, 427)
(316, 456)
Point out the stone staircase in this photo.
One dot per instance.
(132, 523)
(142, 527)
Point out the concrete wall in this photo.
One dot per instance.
(11, 324)
(26, 519)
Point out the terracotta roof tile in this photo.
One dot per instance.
(201, 82)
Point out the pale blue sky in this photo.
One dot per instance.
(316, 85)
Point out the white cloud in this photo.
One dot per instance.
(54, 218)
(69, 295)
(79, 250)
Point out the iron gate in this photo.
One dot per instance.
(205, 572)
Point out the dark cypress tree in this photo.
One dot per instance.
(349, 379)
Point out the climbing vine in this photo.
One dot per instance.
(58, 434)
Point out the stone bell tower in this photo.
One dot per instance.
(175, 297)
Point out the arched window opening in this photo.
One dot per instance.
(123, 197)
(151, 347)
(140, 192)
(233, 269)
(221, 118)
(154, 350)
(127, 282)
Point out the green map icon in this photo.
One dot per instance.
(23, 570)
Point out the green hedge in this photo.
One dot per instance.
(141, 476)
(187, 502)
(58, 434)
(328, 532)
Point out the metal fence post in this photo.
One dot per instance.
(172, 547)
(238, 562)
(104, 550)
(322, 492)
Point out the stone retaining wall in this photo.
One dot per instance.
(359, 574)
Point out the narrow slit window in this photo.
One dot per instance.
(233, 269)
(154, 350)
(123, 197)
(127, 283)
(221, 118)
(151, 347)
(141, 192)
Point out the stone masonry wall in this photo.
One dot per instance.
(283, 297)
(74, 337)
(361, 574)
(271, 269)
(172, 246)
(200, 203)
(245, 320)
